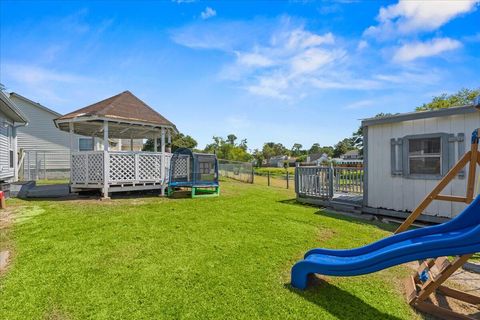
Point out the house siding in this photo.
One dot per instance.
(401, 193)
(42, 135)
(6, 173)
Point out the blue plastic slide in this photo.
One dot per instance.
(459, 236)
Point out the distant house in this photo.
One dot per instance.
(317, 158)
(279, 161)
(351, 155)
(11, 119)
(45, 149)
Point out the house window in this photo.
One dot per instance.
(85, 144)
(425, 156)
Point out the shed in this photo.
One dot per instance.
(405, 156)
(11, 118)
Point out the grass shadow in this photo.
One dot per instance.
(338, 302)
(344, 217)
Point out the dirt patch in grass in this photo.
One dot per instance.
(56, 314)
(6, 217)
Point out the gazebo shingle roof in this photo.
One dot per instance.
(124, 106)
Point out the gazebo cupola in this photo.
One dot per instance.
(123, 116)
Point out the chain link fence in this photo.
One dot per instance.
(44, 165)
(241, 171)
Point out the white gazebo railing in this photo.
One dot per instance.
(125, 170)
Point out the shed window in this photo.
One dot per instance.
(425, 156)
(85, 144)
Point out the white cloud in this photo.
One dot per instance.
(208, 13)
(253, 60)
(413, 16)
(284, 60)
(313, 59)
(37, 75)
(362, 44)
(42, 82)
(360, 104)
(411, 51)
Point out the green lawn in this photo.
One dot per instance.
(217, 258)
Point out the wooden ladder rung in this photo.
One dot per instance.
(459, 295)
(443, 197)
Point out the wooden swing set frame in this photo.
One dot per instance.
(440, 269)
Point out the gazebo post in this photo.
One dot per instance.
(70, 135)
(70, 130)
(106, 160)
(162, 168)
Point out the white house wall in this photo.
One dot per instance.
(6, 173)
(404, 194)
(41, 135)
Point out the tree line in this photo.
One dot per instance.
(230, 148)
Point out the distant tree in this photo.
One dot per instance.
(327, 150)
(342, 147)
(301, 158)
(243, 144)
(316, 148)
(228, 150)
(357, 140)
(178, 141)
(271, 149)
(231, 138)
(296, 149)
(258, 156)
(462, 97)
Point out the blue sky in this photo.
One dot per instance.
(283, 71)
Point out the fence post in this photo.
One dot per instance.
(296, 178)
(253, 174)
(28, 166)
(44, 165)
(330, 181)
(36, 166)
(268, 178)
(288, 179)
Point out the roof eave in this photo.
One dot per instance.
(419, 115)
(14, 111)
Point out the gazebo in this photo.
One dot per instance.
(122, 116)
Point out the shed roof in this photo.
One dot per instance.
(419, 115)
(123, 106)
